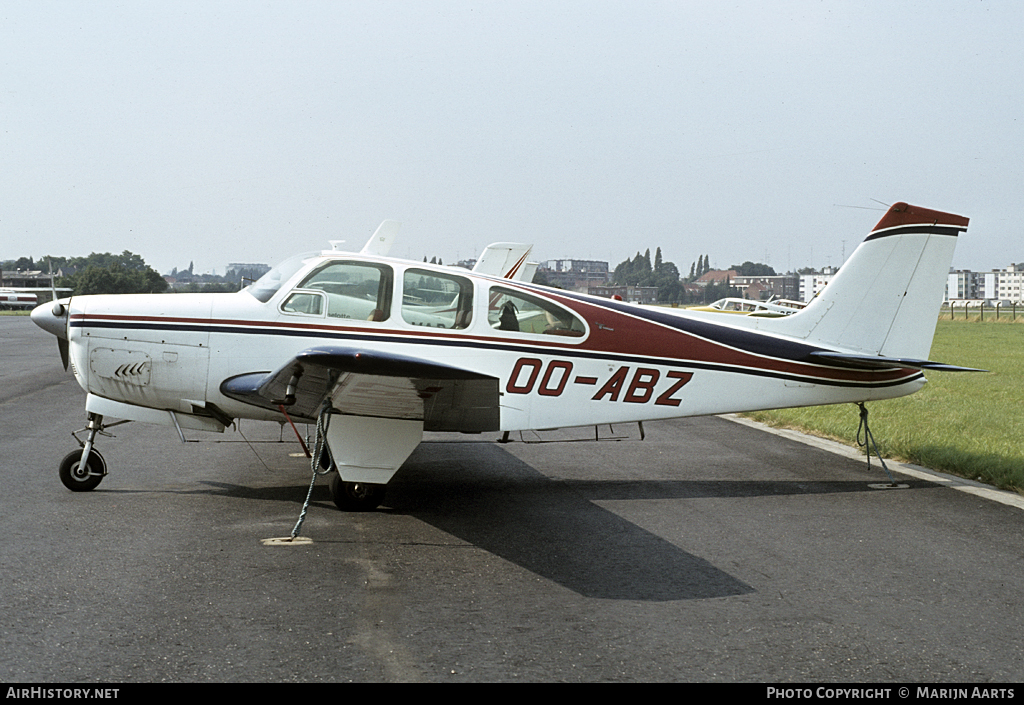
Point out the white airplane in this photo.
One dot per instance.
(377, 350)
(17, 298)
(750, 307)
(23, 298)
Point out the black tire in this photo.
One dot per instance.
(356, 496)
(77, 481)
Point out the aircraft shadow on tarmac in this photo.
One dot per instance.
(487, 497)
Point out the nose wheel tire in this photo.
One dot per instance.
(355, 496)
(78, 479)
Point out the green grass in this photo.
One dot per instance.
(969, 424)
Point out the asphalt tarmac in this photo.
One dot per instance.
(710, 551)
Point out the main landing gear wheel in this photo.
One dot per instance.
(355, 496)
(77, 479)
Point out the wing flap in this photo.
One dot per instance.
(374, 383)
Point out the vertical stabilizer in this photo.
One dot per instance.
(506, 260)
(382, 239)
(885, 299)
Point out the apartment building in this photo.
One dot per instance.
(996, 285)
(763, 288)
(1008, 283)
(812, 284)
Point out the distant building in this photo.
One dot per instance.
(965, 285)
(626, 292)
(1009, 283)
(763, 288)
(718, 276)
(996, 285)
(21, 278)
(812, 284)
(574, 274)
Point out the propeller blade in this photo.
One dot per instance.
(62, 345)
(53, 287)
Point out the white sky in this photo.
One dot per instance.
(248, 131)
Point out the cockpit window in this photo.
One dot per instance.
(266, 286)
(516, 312)
(356, 290)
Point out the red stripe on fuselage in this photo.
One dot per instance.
(617, 332)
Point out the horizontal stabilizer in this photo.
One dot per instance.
(877, 362)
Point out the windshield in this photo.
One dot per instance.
(267, 285)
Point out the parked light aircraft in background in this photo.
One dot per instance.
(22, 298)
(377, 350)
(17, 298)
(750, 307)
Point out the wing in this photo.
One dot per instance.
(377, 384)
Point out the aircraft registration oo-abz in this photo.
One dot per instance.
(377, 350)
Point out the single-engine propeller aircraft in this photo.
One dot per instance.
(377, 350)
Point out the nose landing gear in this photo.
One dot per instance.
(83, 470)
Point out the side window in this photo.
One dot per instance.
(436, 300)
(354, 290)
(516, 312)
(307, 302)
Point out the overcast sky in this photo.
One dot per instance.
(220, 132)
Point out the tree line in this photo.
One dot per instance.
(97, 273)
(642, 271)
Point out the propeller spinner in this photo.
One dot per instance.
(53, 318)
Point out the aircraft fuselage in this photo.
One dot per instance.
(566, 359)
